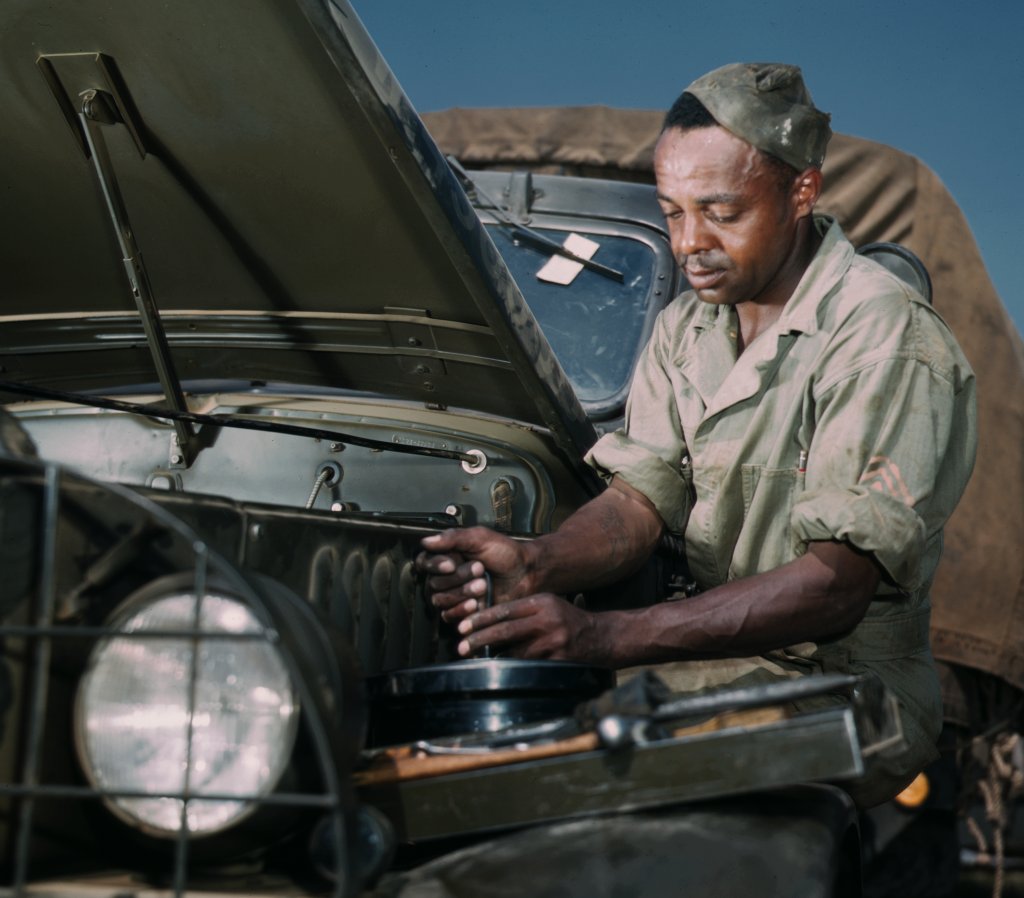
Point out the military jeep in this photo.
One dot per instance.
(258, 338)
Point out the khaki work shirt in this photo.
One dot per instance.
(852, 418)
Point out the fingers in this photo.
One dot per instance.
(442, 541)
(460, 592)
(436, 564)
(443, 553)
(465, 541)
(450, 561)
(499, 628)
(458, 576)
(456, 563)
(455, 613)
(446, 554)
(534, 627)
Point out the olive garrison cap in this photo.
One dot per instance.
(768, 105)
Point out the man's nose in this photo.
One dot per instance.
(691, 236)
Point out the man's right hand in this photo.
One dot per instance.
(604, 540)
(455, 562)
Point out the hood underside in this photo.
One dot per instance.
(283, 206)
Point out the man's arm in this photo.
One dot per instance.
(821, 594)
(606, 539)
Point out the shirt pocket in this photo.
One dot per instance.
(766, 536)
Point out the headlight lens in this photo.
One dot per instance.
(134, 731)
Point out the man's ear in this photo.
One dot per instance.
(806, 190)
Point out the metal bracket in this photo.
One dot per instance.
(418, 337)
(520, 194)
(68, 74)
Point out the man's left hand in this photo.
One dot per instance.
(539, 626)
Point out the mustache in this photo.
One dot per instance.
(710, 261)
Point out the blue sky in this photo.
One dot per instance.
(941, 80)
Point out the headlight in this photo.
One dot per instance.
(192, 716)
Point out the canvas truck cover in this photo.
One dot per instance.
(878, 194)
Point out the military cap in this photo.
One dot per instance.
(768, 105)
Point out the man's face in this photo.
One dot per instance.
(732, 225)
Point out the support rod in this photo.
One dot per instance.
(98, 109)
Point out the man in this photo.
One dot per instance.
(801, 416)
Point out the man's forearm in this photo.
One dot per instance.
(607, 538)
(823, 593)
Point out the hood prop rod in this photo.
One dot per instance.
(99, 109)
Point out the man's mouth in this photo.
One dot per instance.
(703, 278)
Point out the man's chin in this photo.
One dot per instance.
(711, 287)
(714, 296)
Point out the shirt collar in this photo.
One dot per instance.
(827, 269)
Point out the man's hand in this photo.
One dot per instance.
(603, 541)
(539, 626)
(456, 560)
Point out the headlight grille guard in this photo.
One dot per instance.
(324, 682)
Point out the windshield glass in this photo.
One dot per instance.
(594, 324)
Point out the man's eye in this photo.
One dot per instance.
(723, 217)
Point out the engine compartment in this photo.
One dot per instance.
(508, 485)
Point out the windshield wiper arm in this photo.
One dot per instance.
(529, 234)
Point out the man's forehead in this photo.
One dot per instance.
(709, 161)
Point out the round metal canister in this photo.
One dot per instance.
(480, 695)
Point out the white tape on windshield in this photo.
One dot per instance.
(559, 269)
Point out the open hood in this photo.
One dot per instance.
(279, 200)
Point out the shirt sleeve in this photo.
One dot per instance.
(892, 451)
(649, 452)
